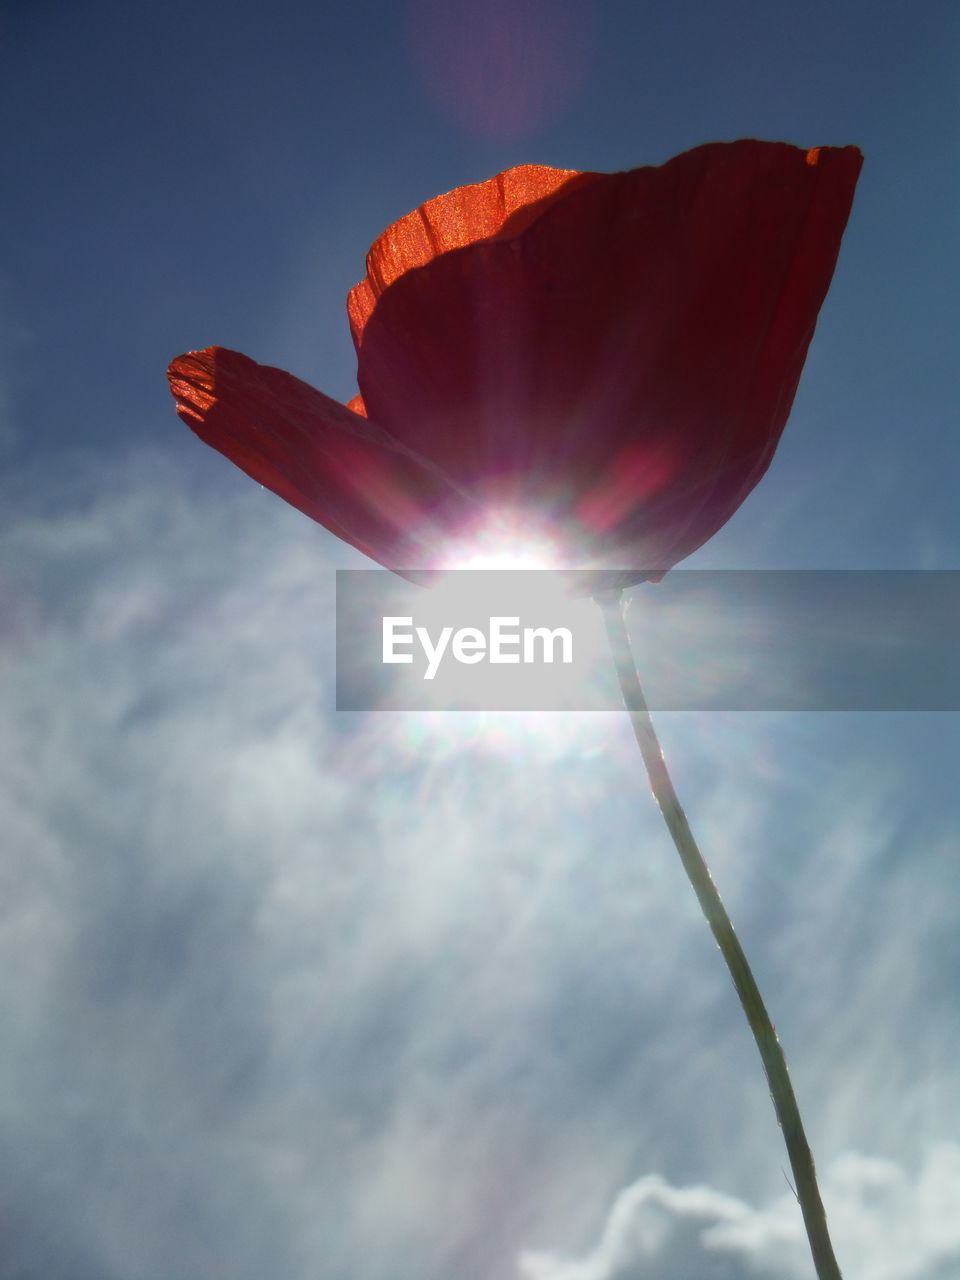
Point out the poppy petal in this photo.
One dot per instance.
(336, 466)
(631, 356)
(503, 205)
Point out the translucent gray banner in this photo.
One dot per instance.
(704, 640)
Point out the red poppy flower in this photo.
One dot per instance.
(615, 355)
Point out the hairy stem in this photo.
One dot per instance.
(698, 873)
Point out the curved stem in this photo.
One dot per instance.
(698, 873)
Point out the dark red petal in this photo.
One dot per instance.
(337, 467)
(502, 205)
(628, 361)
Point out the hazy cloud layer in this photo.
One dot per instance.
(292, 994)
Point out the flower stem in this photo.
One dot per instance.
(698, 873)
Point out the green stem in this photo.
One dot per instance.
(698, 873)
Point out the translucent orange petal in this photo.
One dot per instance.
(630, 358)
(334, 465)
(501, 206)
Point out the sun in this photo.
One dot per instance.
(505, 539)
(501, 578)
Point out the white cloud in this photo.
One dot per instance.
(887, 1223)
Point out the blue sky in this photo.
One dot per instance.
(292, 993)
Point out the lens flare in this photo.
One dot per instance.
(505, 539)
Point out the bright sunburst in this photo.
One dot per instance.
(505, 540)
